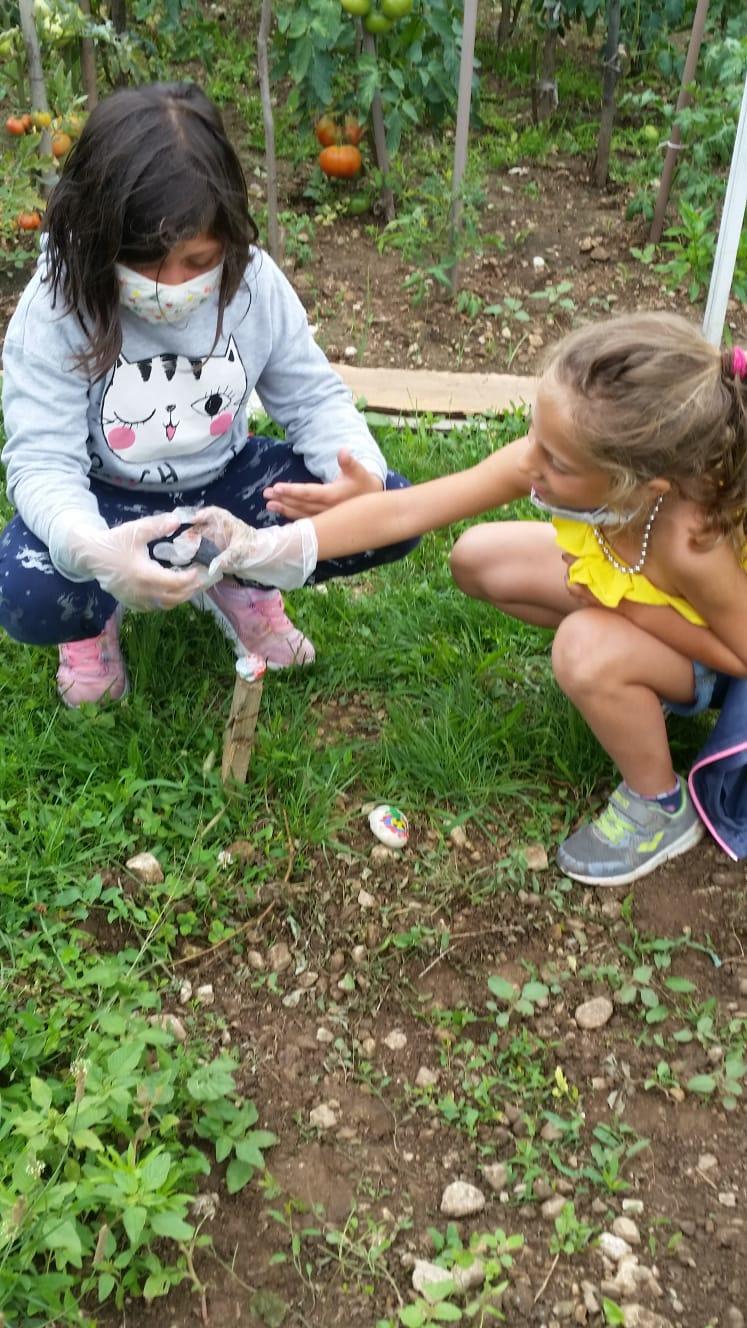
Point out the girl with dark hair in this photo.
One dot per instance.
(127, 369)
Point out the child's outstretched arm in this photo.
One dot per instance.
(285, 556)
(378, 519)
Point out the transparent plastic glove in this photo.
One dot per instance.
(120, 560)
(279, 556)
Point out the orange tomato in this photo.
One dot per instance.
(353, 131)
(27, 122)
(326, 131)
(341, 162)
(14, 125)
(28, 221)
(61, 144)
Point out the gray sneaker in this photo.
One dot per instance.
(632, 837)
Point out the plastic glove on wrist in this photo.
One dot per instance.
(279, 556)
(120, 560)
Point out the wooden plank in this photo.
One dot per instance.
(432, 392)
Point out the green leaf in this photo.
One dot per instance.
(133, 1219)
(63, 1238)
(701, 1083)
(106, 1286)
(445, 1312)
(534, 991)
(87, 1139)
(502, 989)
(171, 1225)
(612, 1313)
(237, 1175)
(41, 1093)
(683, 985)
(627, 994)
(156, 1285)
(154, 1170)
(412, 1316)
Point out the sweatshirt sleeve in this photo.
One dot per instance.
(301, 391)
(45, 409)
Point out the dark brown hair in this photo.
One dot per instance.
(651, 398)
(153, 166)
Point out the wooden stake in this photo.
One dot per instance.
(263, 64)
(674, 146)
(379, 133)
(238, 739)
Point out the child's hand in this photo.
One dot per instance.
(279, 556)
(298, 500)
(580, 593)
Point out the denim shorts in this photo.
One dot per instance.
(710, 687)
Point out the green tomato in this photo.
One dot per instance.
(396, 8)
(376, 22)
(359, 7)
(359, 204)
(650, 133)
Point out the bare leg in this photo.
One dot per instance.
(518, 567)
(615, 674)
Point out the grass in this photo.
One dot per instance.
(107, 1117)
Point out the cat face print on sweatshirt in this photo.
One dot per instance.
(170, 406)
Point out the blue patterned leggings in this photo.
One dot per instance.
(41, 607)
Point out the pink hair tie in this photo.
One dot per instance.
(739, 362)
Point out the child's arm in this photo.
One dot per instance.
(378, 519)
(715, 584)
(688, 639)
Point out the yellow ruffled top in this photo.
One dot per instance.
(609, 586)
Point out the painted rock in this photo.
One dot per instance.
(389, 825)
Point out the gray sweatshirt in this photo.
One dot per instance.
(164, 418)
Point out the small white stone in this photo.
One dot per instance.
(727, 1199)
(324, 1035)
(255, 961)
(368, 1047)
(632, 1206)
(358, 955)
(426, 1078)
(496, 1174)
(280, 957)
(626, 1228)
(458, 836)
(323, 1117)
(536, 857)
(707, 1162)
(426, 1275)
(380, 853)
(538, 263)
(350, 352)
(366, 900)
(461, 1199)
(552, 1208)
(185, 992)
(170, 1023)
(146, 867)
(637, 1316)
(595, 1013)
(205, 994)
(613, 1246)
(396, 1040)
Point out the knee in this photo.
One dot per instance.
(582, 658)
(466, 561)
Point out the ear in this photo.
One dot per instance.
(659, 486)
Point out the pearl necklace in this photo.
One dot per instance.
(639, 564)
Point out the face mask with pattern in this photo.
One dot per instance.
(156, 303)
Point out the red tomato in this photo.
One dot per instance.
(342, 162)
(353, 131)
(14, 125)
(28, 221)
(326, 131)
